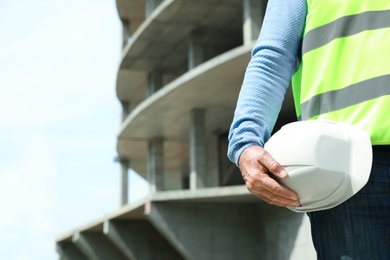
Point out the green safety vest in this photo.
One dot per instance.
(344, 72)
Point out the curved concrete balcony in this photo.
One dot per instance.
(132, 11)
(161, 41)
(213, 86)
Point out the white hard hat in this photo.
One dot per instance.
(327, 162)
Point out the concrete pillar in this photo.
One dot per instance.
(124, 181)
(253, 15)
(196, 53)
(138, 239)
(155, 82)
(95, 246)
(125, 32)
(150, 6)
(156, 164)
(197, 149)
(185, 177)
(68, 251)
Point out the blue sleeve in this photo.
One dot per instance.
(267, 76)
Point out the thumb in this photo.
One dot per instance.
(273, 166)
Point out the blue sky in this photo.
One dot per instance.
(59, 118)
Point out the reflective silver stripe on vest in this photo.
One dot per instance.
(348, 96)
(345, 26)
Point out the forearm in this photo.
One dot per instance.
(267, 76)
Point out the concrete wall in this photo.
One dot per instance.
(196, 229)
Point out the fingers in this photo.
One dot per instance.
(269, 190)
(272, 192)
(265, 159)
(261, 173)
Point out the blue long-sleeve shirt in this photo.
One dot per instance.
(267, 76)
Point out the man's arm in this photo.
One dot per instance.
(266, 79)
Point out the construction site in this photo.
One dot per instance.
(180, 73)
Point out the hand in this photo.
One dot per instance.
(261, 173)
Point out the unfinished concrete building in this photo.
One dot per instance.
(181, 70)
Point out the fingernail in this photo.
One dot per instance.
(283, 174)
